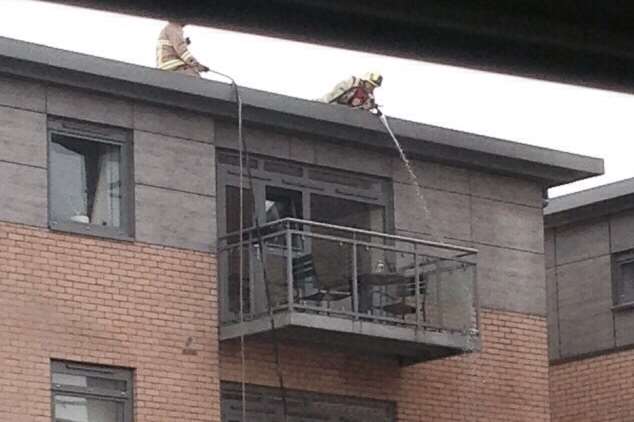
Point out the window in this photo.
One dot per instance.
(623, 270)
(85, 393)
(264, 404)
(286, 189)
(89, 184)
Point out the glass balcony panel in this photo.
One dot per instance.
(449, 298)
(386, 283)
(322, 273)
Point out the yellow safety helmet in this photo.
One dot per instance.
(374, 78)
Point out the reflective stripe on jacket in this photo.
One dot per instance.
(171, 50)
(351, 93)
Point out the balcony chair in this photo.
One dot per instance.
(305, 278)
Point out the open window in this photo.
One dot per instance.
(89, 179)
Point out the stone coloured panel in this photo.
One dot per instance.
(622, 231)
(88, 106)
(174, 122)
(174, 218)
(23, 194)
(511, 280)
(582, 241)
(585, 301)
(549, 247)
(302, 150)
(21, 93)
(552, 316)
(433, 175)
(624, 327)
(507, 225)
(506, 189)
(259, 141)
(174, 163)
(450, 212)
(351, 158)
(22, 137)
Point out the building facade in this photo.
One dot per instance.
(128, 293)
(589, 261)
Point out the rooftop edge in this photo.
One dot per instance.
(340, 124)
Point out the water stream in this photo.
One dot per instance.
(472, 381)
(414, 179)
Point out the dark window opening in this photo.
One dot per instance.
(232, 208)
(85, 393)
(344, 212)
(624, 278)
(282, 203)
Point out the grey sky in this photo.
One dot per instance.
(574, 119)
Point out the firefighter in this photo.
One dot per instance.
(356, 92)
(172, 52)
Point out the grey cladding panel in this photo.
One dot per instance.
(622, 231)
(582, 241)
(302, 150)
(624, 327)
(511, 280)
(448, 212)
(353, 158)
(174, 122)
(23, 194)
(585, 300)
(259, 141)
(176, 219)
(433, 175)
(21, 93)
(174, 163)
(506, 189)
(507, 225)
(552, 315)
(88, 106)
(549, 247)
(22, 137)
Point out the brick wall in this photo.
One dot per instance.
(594, 390)
(135, 305)
(114, 303)
(507, 382)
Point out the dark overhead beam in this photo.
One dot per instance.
(581, 42)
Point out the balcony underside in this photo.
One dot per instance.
(407, 344)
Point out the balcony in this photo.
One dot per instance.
(349, 289)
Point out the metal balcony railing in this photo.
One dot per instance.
(348, 274)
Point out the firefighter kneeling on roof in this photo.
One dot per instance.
(172, 52)
(356, 92)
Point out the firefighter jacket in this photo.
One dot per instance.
(351, 93)
(172, 53)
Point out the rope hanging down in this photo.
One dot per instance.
(243, 152)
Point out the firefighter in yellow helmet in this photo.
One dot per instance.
(172, 52)
(356, 92)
